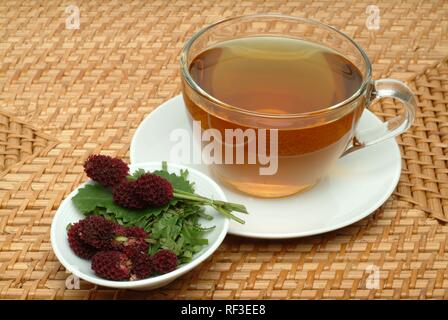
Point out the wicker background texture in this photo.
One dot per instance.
(65, 94)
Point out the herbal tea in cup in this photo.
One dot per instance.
(280, 106)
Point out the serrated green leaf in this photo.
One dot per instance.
(92, 196)
(179, 182)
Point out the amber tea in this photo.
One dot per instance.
(278, 76)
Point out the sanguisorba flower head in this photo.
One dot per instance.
(97, 231)
(142, 266)
(154, 190)
(164, 261)
(126, 196)
(79, 247)
(106, 170)
(112, 265)
(131, 240)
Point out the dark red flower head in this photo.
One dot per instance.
(79, 247)
(112, 265)
(164, 261)
(141, 266)
(131, 240)
(106, 170)
(125, 195)
(154, 190)
(136, 232)
(97, 231)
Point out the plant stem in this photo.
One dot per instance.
(222, 207)
(228, 214)
(228, 205)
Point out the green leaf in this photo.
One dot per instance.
(166, 227)
(137, 174)
(92, 196)
(192, 235)
(179, 182)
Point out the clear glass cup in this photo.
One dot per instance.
(300, 164)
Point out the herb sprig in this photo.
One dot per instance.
(174, 226)
(184, 190)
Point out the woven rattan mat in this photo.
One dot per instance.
(67, 93)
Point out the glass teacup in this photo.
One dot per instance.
(293, 149)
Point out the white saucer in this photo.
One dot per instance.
(358, 184)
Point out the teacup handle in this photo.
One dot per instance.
(387, 88)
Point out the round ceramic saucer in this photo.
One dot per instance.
(358, 184)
